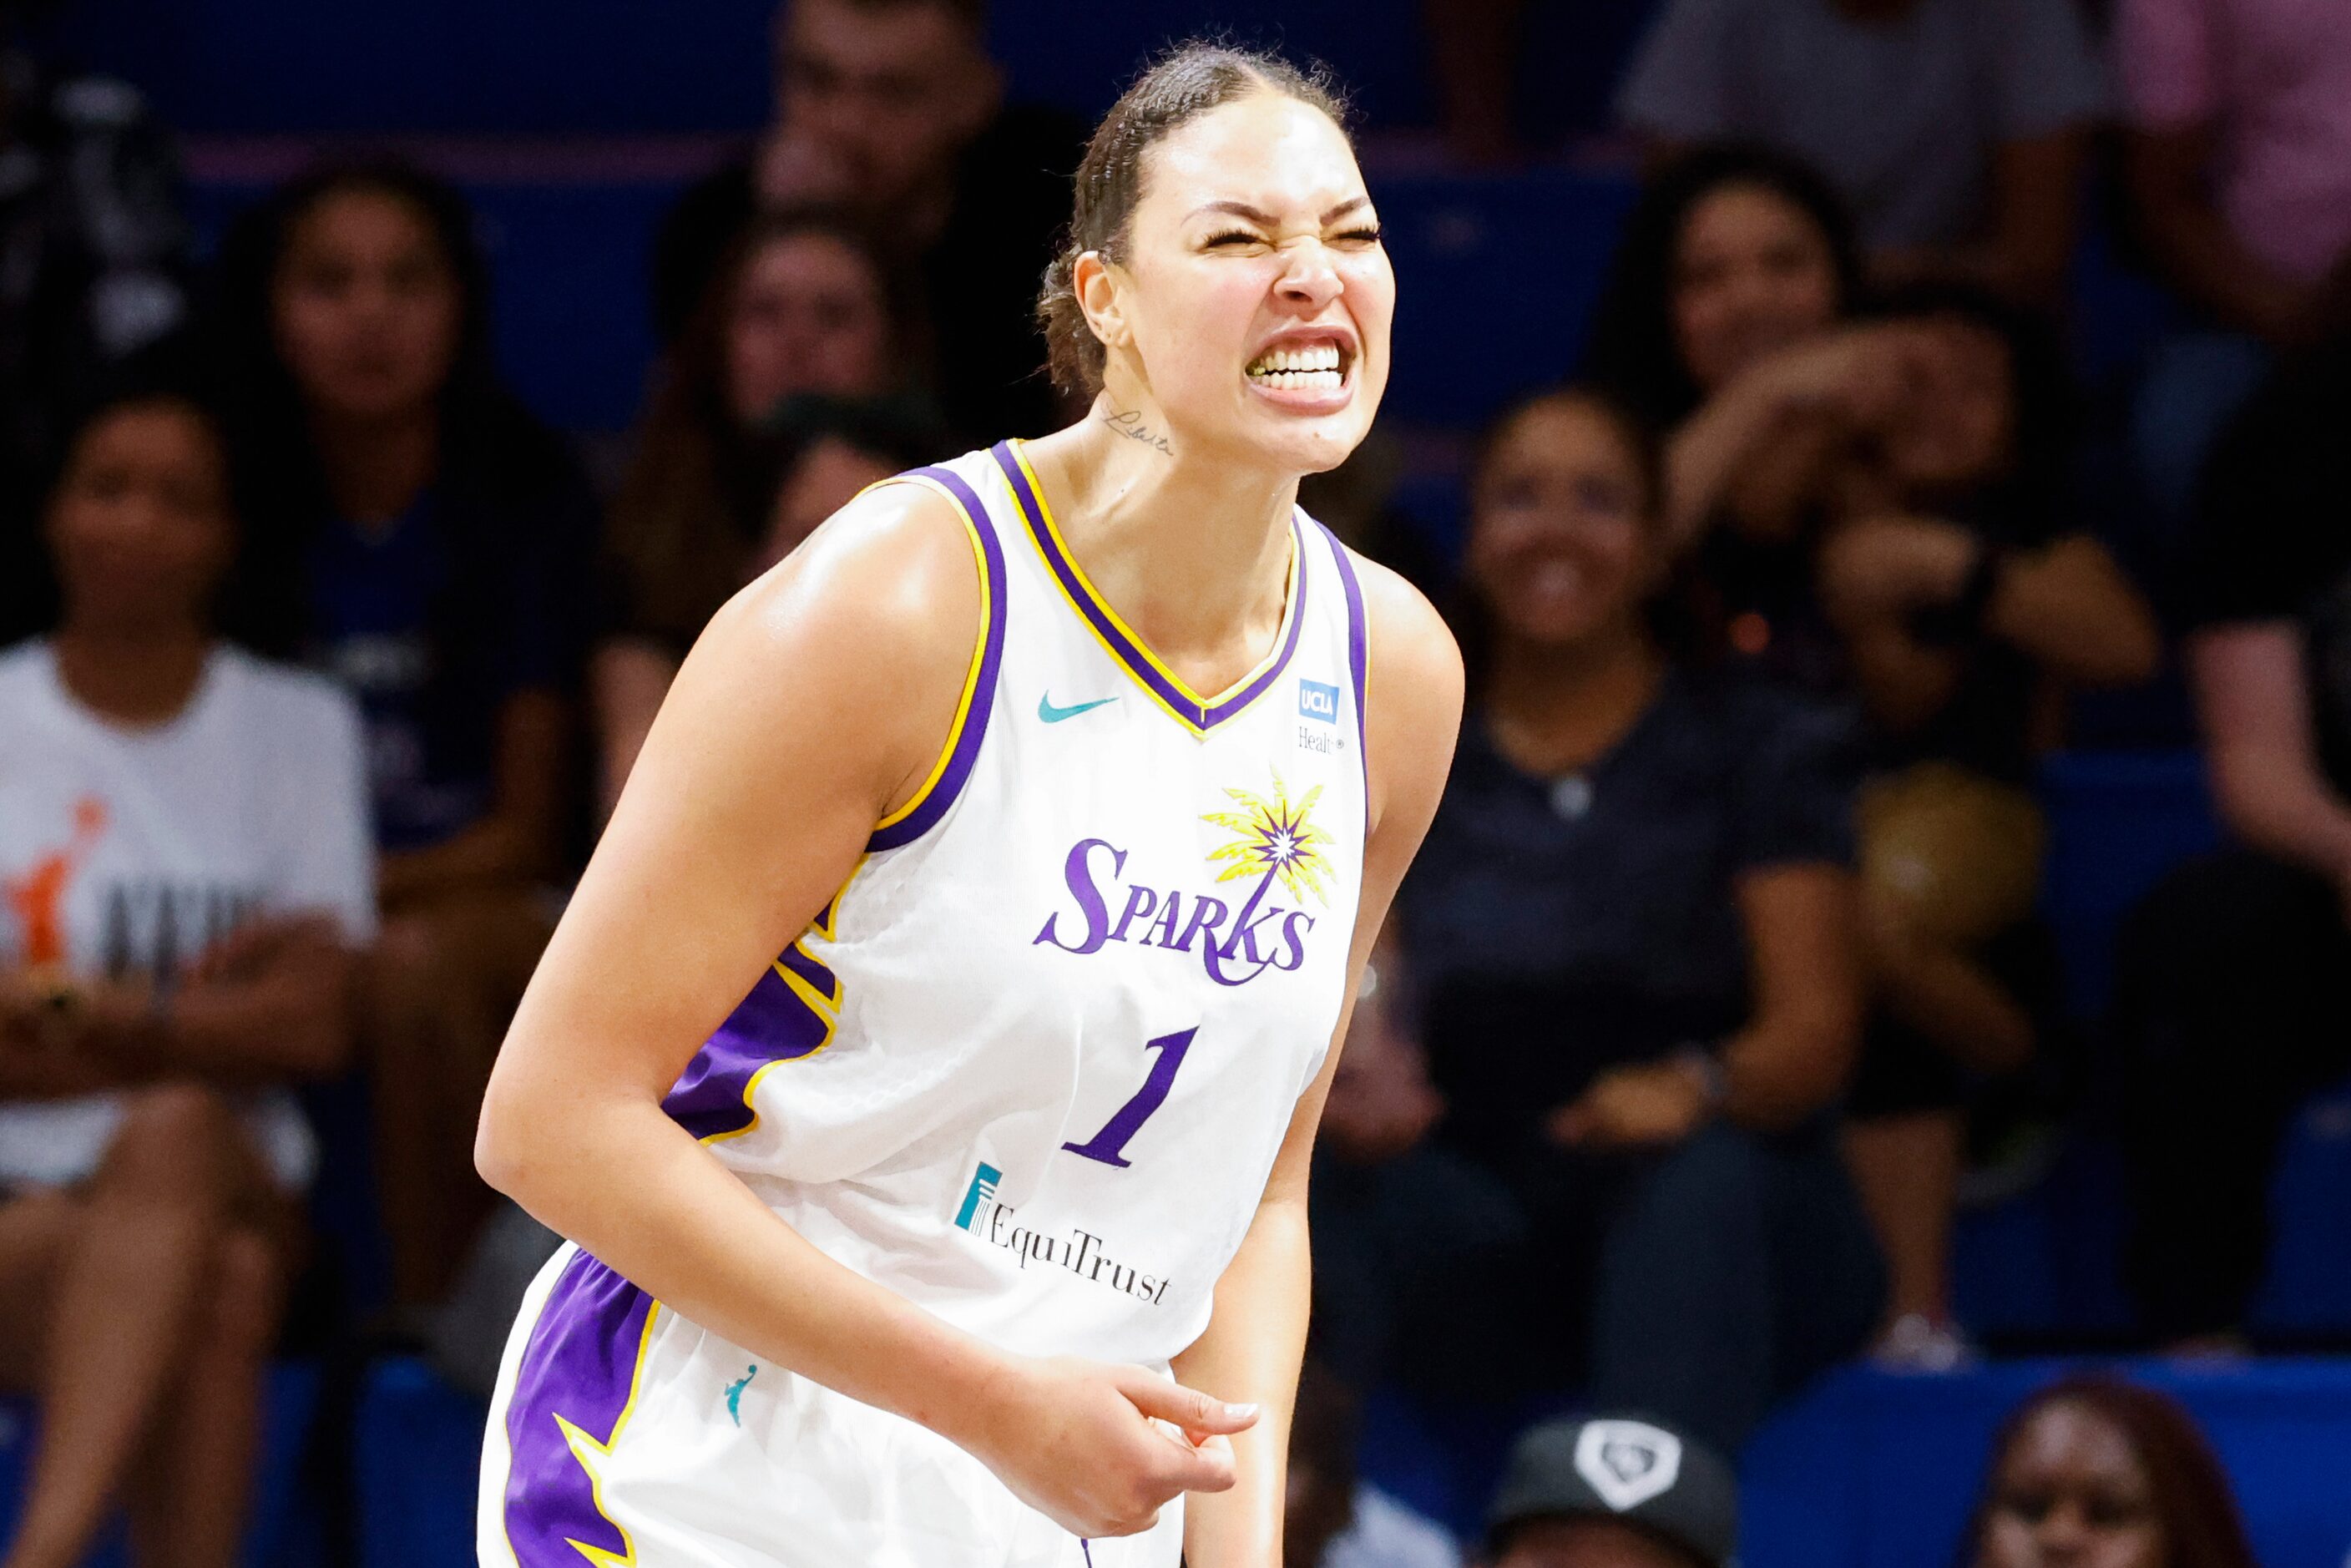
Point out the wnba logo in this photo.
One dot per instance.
(982, 1190)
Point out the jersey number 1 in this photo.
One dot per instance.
(1109, 1146)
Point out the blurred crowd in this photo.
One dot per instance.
(1721, 973)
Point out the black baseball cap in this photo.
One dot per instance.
(1621, 1468)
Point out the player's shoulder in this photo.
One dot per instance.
(1415, 660)
(892, 573)
(1413, 696)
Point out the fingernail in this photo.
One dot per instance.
(1240, 1412)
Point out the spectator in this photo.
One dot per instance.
(1399, 1223)
(93, 253)
(893, 109)
(1878, 511)
(803, 309)
(2095, 1470)
(1725, 322)
(2239, 151)
(1513, 74)
(1956, 129)
(183, 851)
(2231, 999)
(1613, 1493)
(423, 539)
(1633, 922)
(1966, 602)
(829, 448)
(1332, 1518)
(2239, 161)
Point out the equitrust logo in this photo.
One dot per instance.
(981, 1190)
(1079, 1251)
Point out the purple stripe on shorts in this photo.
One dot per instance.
(580, 1365)
(774, 1023)
(942, 794)
(1359, 654)
(1129, 653)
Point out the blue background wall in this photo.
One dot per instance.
(630, 66)
(645, 66)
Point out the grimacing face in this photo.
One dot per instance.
(1251, 301)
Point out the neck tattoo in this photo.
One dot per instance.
(1128, 422)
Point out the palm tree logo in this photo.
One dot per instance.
(1275, 839)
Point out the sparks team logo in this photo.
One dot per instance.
(1317, 699)
(1276, 845)
(982, 1190)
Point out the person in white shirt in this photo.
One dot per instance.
(1334, 1518)
(185, 864)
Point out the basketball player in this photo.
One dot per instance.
(1051, 798)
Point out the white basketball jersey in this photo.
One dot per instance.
(1031, 1066)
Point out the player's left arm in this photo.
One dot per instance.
(1257, 1333)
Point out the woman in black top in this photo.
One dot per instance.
(418, 534)
(1872, 496)
(800, 312)
(1632, 933)
(2232, 979)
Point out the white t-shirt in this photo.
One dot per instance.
(130, 850)
(1388, 1534)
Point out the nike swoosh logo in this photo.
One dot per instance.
(1052, 715)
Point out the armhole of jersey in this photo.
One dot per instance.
(952, 769)
(1359, 662)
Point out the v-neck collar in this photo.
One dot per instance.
(1198, 713)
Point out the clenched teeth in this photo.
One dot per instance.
(1314, 365)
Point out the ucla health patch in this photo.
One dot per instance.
(1318, 700)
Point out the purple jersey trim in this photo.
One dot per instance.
(578, 1370)
(1138, 662)
(712, 1098)
(965, 748)
(1359, 655)
(814, 970)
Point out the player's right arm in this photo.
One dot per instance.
(816, 701)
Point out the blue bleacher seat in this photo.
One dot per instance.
(567, 261)
(1873, 1470)
(2306, 1295)
(568, 266)
(2046, 1265)
(1497, 278)
(2117, 822)
(622, 67)
(1876, 1470)
(418, 1450)
(280, 1534)
(525, 67)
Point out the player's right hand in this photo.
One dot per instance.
(1100, 1448)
